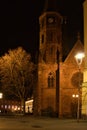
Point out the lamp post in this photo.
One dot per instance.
(79, 57)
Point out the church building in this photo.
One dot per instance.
(56, 92)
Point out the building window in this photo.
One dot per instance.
(42, 23)
(2, 106)
(51, 50)
(50, 80)
(5, 106)
(50, 37)
(42, 38)
(9, 106)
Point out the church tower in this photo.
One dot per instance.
(50, 46)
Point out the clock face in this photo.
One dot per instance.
(50, 20)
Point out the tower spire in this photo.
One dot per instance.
(50, 5)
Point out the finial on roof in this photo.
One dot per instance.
(78, 36)
(65, 19)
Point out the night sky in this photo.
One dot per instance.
(20, 26)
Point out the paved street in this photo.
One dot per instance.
(31, 123)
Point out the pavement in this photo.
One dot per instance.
(40, 123)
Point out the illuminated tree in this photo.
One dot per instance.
(17, 73)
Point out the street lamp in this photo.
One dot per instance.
(79, 57)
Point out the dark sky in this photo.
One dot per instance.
(19, 22)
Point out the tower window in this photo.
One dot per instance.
(42, 23)
(42, 38)
(50, 80)
(51, 50)
(50, 36)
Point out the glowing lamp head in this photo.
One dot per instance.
(79, 57)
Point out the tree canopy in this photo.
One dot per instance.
(17, 73)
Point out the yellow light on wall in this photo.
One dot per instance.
(1, 95)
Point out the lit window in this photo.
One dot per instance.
(1, 106)
(12, 106)
(9, 106)
(5, 106)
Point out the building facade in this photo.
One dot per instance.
(9, 106)
(57, 84)
(70, 78)
(84, 88)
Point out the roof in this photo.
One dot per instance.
(50, 5)
(77, 48)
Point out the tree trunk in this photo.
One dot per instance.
(23, 106)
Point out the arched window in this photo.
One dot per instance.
(50, 80)
(42, 38)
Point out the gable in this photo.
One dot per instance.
(78, 47)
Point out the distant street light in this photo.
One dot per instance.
(75, 96)
(79, 57)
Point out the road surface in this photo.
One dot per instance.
(40, 123)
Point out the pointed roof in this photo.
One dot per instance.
(78, 47)
(50, 5)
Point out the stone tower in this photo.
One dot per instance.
(47, 98)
